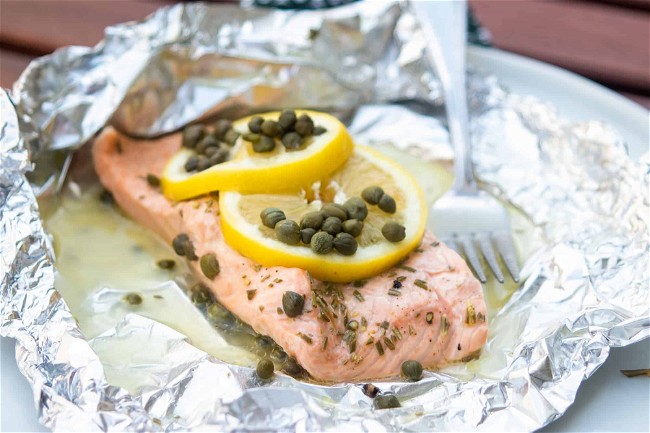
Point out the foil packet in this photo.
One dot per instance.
(586, 285)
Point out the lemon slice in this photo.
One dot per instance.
(250, 172)
(243, 230)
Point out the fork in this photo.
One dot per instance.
(467, 219)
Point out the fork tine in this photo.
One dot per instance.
(485, 244)
(506, 249)
(451, 243)
(472, 256)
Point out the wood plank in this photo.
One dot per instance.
(12, 64)
(634, 4)
(39, 27)
(644, 101)
(606, 43)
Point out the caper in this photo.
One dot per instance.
(393, 231)
(412, 370)
(370, 390)
(192, 135)
(221, 128)
(133, 299)
(319, 130)
(288, 231)
(356, 208)
(210, 265)
(106, 197)
(255, 124)
(332, 225)
(166, 264)
(192, 163)
(345, 244)
(271, 128)
(353, 227)
(334, 210)
(312, 220)
(271, 216)
(205, 143)
(292, 140)
(304, 125)
(287, 119)
(322, 243)
(153, 180)
(221, 155)
(306, 235)
(291, 366)
(210, 151)
(200, 294)
(264, 368)
(387, 204)
(265, 144)
(203, 163)
(252, 137)
(231, 137)
(386, 401)
(179, 244)
(372, 194)
(292, 303)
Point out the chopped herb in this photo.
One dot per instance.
(250, 294)
(470, 318)
(394, 292)
(266, 277)
(429, 317)
(357, 294)
(412, 330)
(279, 310)
(133, 299)
(370, 341)
(350, 338)
(444, 325)
(359, 283)
(306, 338)
(407, 268)
(419, 250)
(421, 284)
(401, 278)
(257, 268)
(158, 296)
(480, 316)
(384, 324)
(277, 280)
(635, 373)
(324, 343)
(364, 323)
(389, 343)
(261, 307)
(166, 264)
(356, 359)
(435, 243)
(397, 333)
(380, 348)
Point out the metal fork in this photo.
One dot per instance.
(467, 219)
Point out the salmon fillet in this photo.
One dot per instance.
(439, 316)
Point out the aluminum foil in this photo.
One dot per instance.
(585, 289)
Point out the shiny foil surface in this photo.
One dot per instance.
(585, 289)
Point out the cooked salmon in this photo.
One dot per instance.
(435, 314)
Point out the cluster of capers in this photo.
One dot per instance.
(335, 226)
(211, 148)
(289, 129)
(374, 195)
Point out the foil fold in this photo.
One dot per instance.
(585, 289)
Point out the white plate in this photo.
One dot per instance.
(606, 402)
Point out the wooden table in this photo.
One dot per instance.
(607, 41)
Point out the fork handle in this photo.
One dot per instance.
(444, 25)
